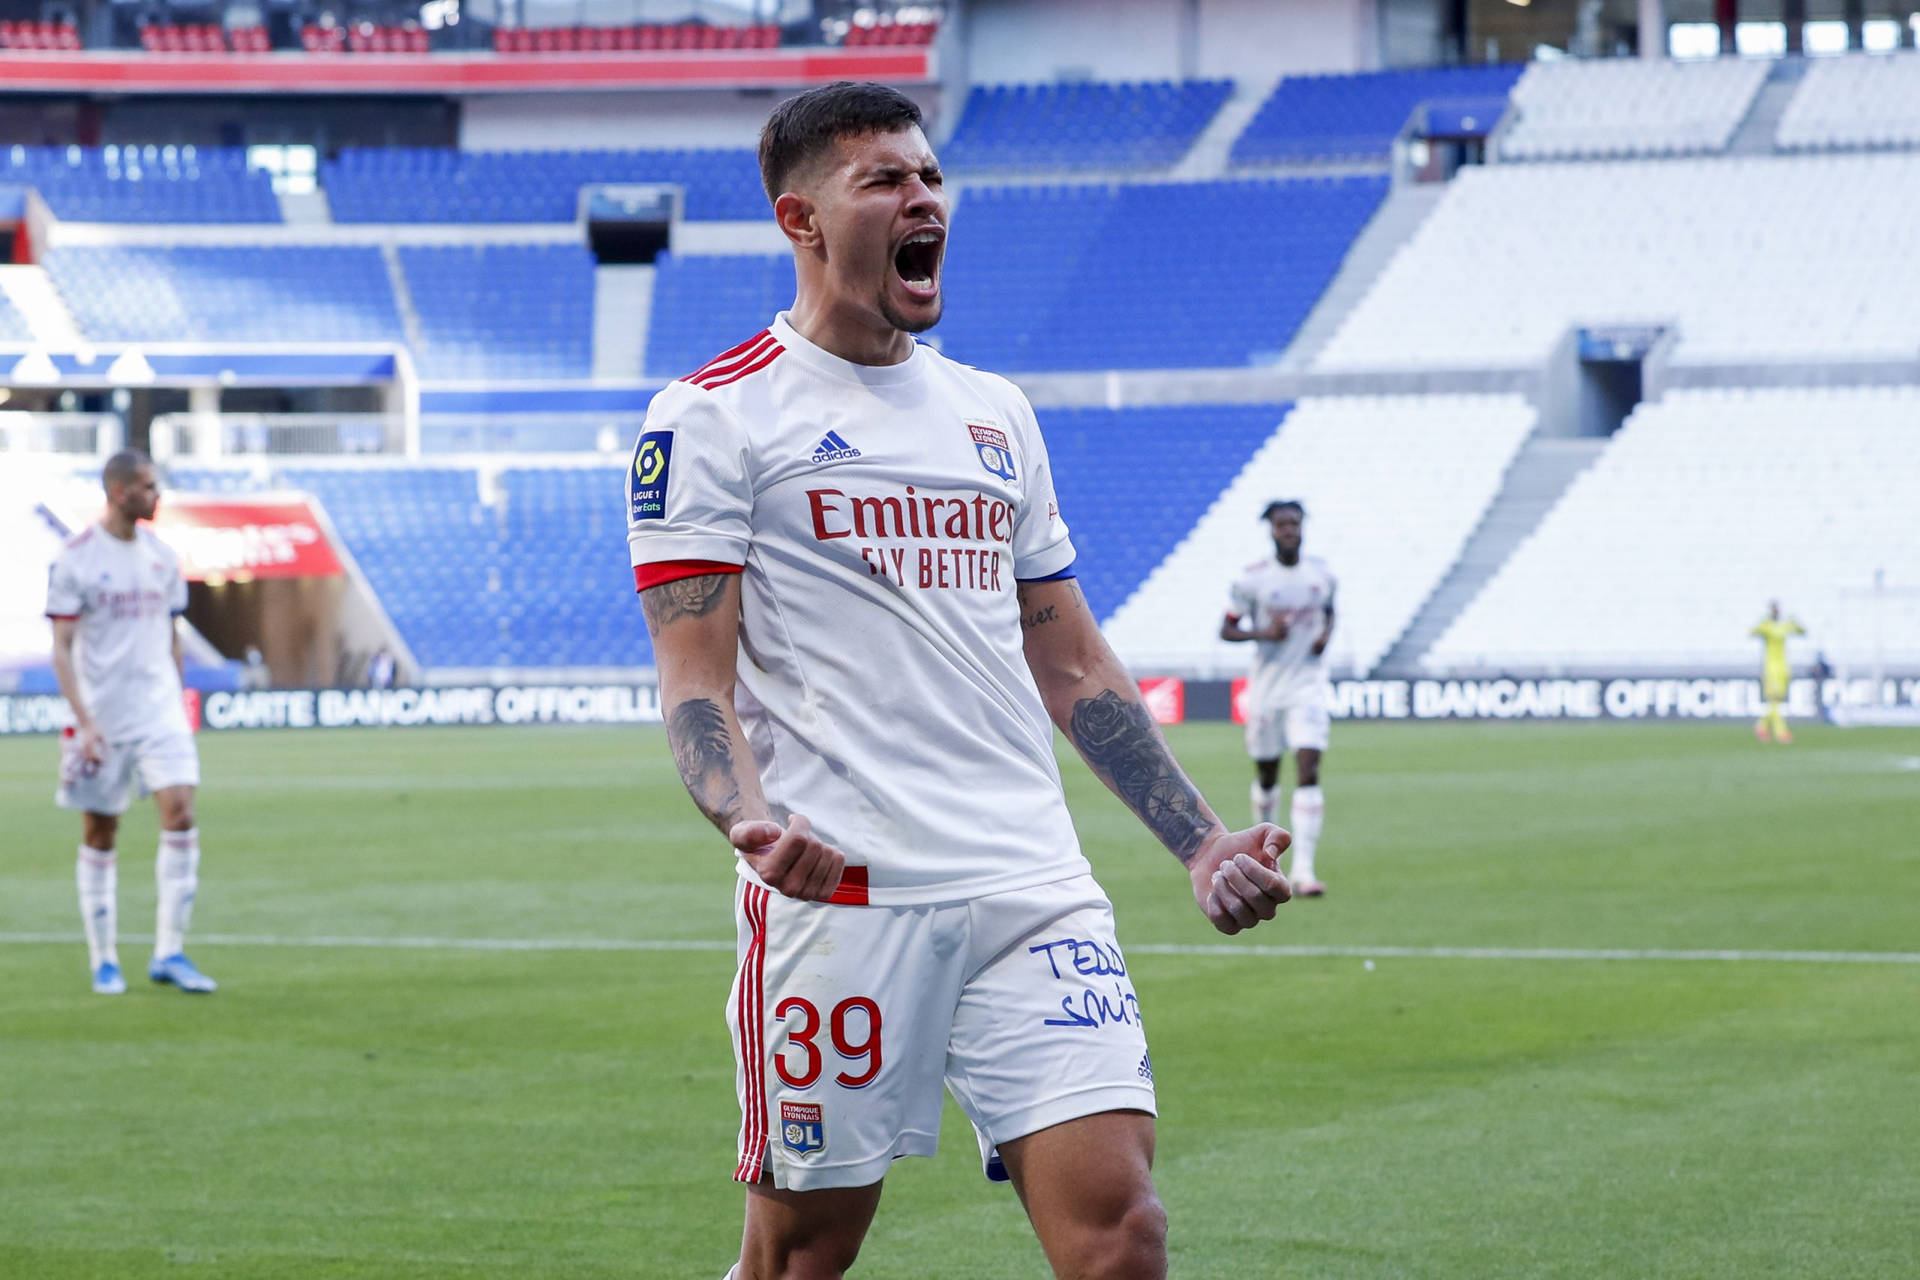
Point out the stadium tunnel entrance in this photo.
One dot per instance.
(1598, 376)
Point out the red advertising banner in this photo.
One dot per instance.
(1238, 693)
(1166, 698)
(221, 538)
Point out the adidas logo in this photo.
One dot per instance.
(1146, 1067)
(833, 449)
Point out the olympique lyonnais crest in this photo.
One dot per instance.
(996, 455)
(801, 1127)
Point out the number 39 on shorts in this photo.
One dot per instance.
(853, 1026)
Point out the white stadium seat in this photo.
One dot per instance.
(1753, 259)
(1707, 505)
(1626, 107)
(1393, 485)
(1871, 100)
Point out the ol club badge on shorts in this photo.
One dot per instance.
(801, 1127)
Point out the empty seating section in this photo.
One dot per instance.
(1627, 107)
(1355, 118)
(1866, 101)
(1126, 513)
(204, 37)
(199, 294)
(1142, 276)
(438, 184)
(704, 305)
(643, 38)
(566, 582)
(1393, 486)
(1062, 128)
(502, 311)
(1667, 550)
(861, 36)
(144, 184)
(13, 322)
(1754, 259)
(27, 34)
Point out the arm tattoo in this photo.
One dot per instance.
(1038, 618)
(1117, 737)
(703, 751)
(684, 598)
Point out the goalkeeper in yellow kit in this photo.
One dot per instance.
(1773, 630)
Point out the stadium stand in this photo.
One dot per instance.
(565, 574)
(502, 311)
(227, 294)
(1752, 258)
(1355, 118)
(323, 39)
(1866, 101)
(1706, 505)
(914, 34)
(13, 322)
(26, 34)
(144, 184)
(703, 305)
(1629, 107)
(1393, 486)
(183, 37)
(1060, 128)
(437, 184)
(1125, 516)
(646, 38)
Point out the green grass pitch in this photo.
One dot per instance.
(382, 1111)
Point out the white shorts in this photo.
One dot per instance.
(846, 1020)
(171, 760)
(1298, 725)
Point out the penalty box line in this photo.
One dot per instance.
(1228, 950)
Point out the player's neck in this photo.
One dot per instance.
(1287, 558)
(118, 525)
(841, 331)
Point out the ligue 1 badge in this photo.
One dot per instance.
(996, 455)
(801, 1127)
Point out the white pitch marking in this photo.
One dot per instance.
(1229, 950)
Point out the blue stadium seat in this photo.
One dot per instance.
(1080, 127)
(1355, 118)
(439, 184)
(250, 294)
(502, 312)
(144, 184)
(13, 322)
(1139, 276)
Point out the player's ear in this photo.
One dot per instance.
(799, 219)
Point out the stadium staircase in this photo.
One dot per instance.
(1538, 475)
(34, 297)
(622, 313)
(403, 297)
(1210, 155)
(305, 208)
(1398, 218)
(1755, 135)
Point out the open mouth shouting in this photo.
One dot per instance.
(916, 261)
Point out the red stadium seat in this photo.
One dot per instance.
(648, 38)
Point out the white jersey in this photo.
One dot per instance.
(125, 596)
(1302, 595)
(882, 516)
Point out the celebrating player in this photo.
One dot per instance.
(113, 594)
(1285, 606)
(864, 612)
(1775, 675)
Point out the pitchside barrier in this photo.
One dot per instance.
(1172, 699)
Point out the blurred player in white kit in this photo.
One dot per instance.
(113, 594)
(1283, 604)
(864, 615)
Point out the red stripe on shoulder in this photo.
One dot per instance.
(653, 575)
(80, 537)
(728, 356)
(760, 362)
(64, 617)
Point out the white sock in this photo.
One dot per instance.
(1266, 802)
(732, 1271)
(1308, 809)
(177, 871)
(97, 872)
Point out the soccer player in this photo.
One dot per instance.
(863, 608)
(113, 594)
(1284, 605)
(1772, 631)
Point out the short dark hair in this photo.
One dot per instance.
(1283, 504)
(804, 127)
(123, 468)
